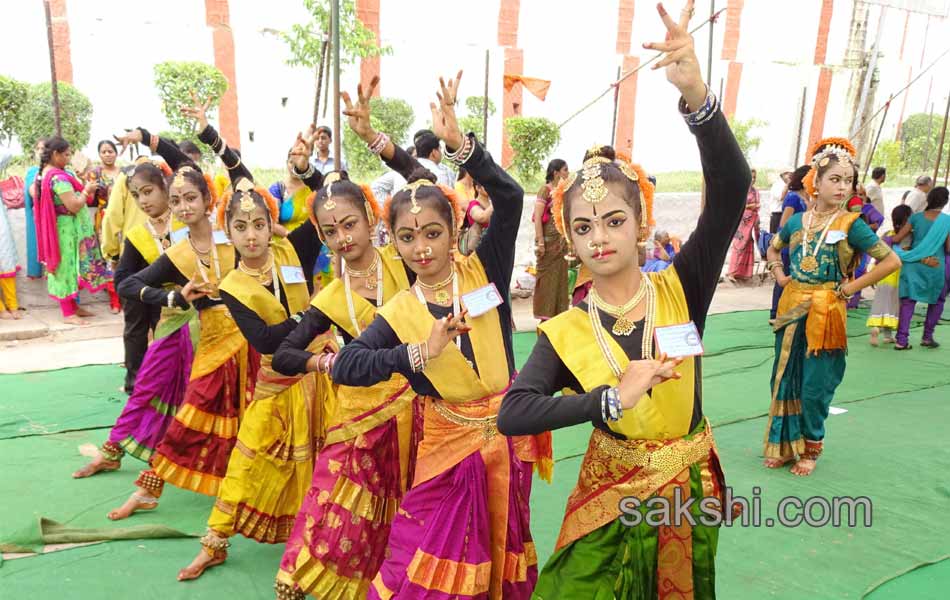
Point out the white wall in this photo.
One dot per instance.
(115, 44)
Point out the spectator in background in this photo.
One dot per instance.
(777, 197)
(874, 192)
(429, 155)
(389, 182)
(191, 150)
(917, 198)
(33, 268)
(796, 201)
(322, 160)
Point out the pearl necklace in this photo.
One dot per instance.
(646, 344)
(622, 326)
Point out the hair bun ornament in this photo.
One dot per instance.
(246, 188)
(455, 207)
(822, 151)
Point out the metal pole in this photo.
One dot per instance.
(613, 127)
(485, 104)
(801, 127)
(326, 88)
(946, 173)
(712, 25)
(867, 165)
(335, 18)
(52, 69)
(943, 135)
(866, 87)
(316, 97)
(930, 135)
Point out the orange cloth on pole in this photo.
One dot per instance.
(538, 87)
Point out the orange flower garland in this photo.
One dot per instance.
(269, 200)
(809, 180)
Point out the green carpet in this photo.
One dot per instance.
(897, 408)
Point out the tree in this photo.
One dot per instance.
(748, 143)
(175, 82)
(916, 151)
(13, 97)
(35, 119)
(306, 41)
(532, 139)
(474, 120)
(888, 154)
(390, 115)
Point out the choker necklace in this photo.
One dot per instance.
(367, 274)
(646, 344)
(809, 262)
(213, 251)
(378, 286)
(161, 240)
(454, 299)
(623, 326)
(441, 296)
(264, 275)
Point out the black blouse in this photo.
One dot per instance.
(378, 352)
(530, 407)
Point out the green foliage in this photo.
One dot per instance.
(175, 81)
(473, 121)
(305, 42)
(13, 96)
(35, 118)
(390, 115)
(888, 154)
(532, 139)
(915, 153)
(748, 143)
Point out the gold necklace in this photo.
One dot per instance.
(646, 344)
(265, 274)
(809, 262)
(622, 325)
(160, 239)
(367, 274)
(441, 296)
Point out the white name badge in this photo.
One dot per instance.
(220, 237)
(178, 235)
(482, 300)
(678, 341)
(291, 274)
(834, 236)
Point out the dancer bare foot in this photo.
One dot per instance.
(75, 320)
(16, 315)
(804, 467)
(84, 312)
(776, 463)
(204, 560)
(136, 502)
(97, 465)
(6, 315)
(875, 332)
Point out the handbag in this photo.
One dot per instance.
(11, 190)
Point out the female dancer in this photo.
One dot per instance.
(885, 307)
(66, 240)
(742, 259)
(810, 334)
(161, 380)
(361, 474)
(468, 504)
(650, 438)
(194, 451)
(924, 276)
(550, 292)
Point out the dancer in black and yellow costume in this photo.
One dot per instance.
(650, 438)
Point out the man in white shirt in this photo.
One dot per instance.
(778, 196)
(389, 182)
(429, 155)
(873, 189)
(917, 198)
(322, 161)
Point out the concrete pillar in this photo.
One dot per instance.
(508, 13)
(824, 77)
(218, 18)
(62, 56)
(367, 11)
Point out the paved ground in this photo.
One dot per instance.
(40, 341)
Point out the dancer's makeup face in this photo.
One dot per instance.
(604, 235)
(835, 185)
(187, 203)
(151, 198)
(345, 229)
(424, 240)
(250, 232)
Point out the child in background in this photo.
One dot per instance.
(886, 304)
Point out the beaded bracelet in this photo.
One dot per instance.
(379, 144)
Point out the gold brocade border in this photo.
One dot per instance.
(196, 419)
(350, 430)
(772, 450)
(517, 563)
(321, 580)
(359, 501)
(185, 478)
(449, 576)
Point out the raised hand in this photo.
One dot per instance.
(445, 330)
(301, 151)
(444, 122)
(359, 113)
(680, 62)
(198, 110)
(129, 138)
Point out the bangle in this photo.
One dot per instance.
(153, 143)
(702, 114)
(774, 263)
(297, 316)
(235, 166)
(379, 144)
(170, 299)
(221, 146)
(306, 174)
(462, 154)
(142, 293)
(839, 291)
(610, 407)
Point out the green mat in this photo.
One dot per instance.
(897, 405)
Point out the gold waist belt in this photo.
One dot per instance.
(660, 455)
(826, 285)
(488, 425)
